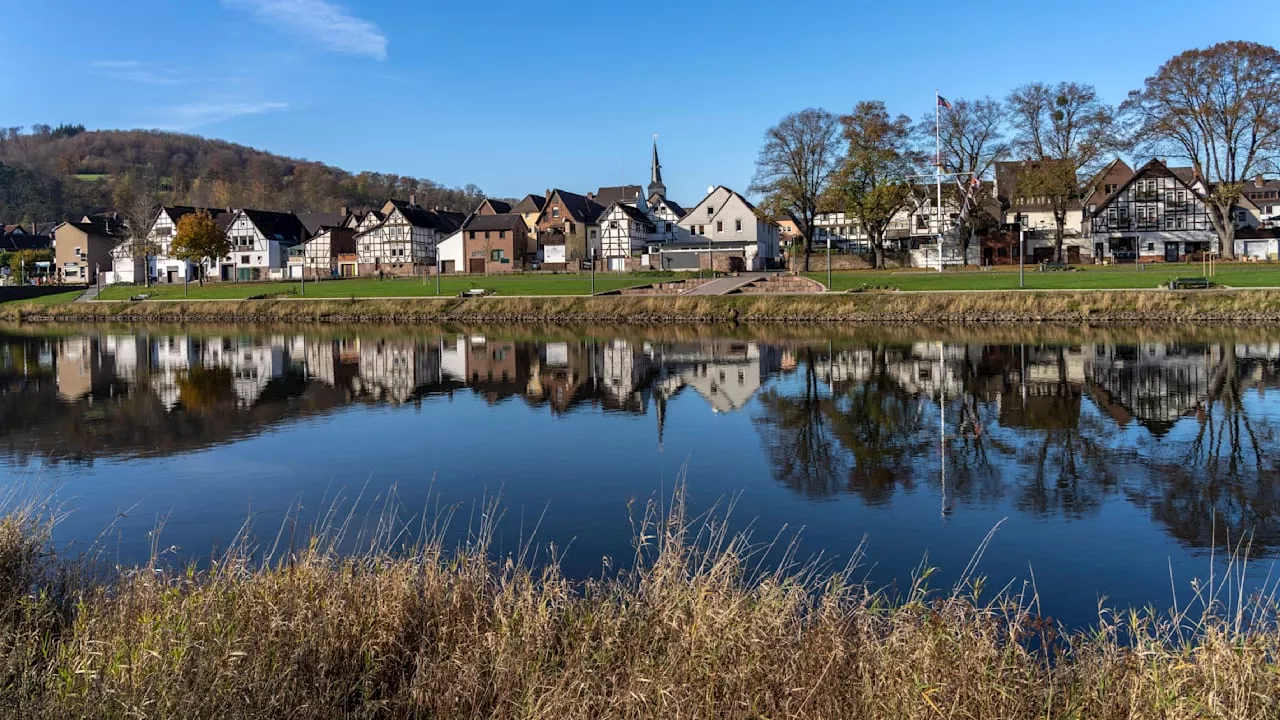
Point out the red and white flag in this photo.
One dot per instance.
(942, 102)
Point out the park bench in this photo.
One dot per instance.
(138, 298)
(1189, 283)
(473, 293)
(1051, 266)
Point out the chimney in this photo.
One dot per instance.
(1259, 181)
(590, 196)
(413, 200)
(344, 211)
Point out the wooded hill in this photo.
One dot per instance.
(50, 174)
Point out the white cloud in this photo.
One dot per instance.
(197, 114)
(135, 71)
(320, 21)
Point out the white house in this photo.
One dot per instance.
(260, 243)
(451, 253)
(726, 227)
(624, 231)
(405, 242)
(161, 267)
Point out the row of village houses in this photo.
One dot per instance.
(1156, 213)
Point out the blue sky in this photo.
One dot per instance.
(517, 97)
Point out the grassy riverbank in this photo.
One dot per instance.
(1203, 306)
(687, 633)
(1085, 277)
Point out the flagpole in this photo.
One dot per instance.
(937, 165)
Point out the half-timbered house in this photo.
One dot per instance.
(323, 253)
(625, 230)
(260, 244)
(405, 242)
(1156, 216)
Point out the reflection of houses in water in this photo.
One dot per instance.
(496, 369)
(393, 370)
(171, 358)
(252, 365)
(915, 368)
(1153, 383)
(82, 366)
(334, 362)
(625, 374)
(725, 373)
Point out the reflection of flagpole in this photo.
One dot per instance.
(942, 425)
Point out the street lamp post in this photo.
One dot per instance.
(1022, 255)
(828, 261)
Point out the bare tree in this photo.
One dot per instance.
(871, 185)
(1220, 109)
(972, 139)
(1061, 132)
(137, 199)
(794, 168)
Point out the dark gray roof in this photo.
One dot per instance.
(23, 241)
(314, 221)
(530, 204)
(1007, 174)
(606, 196)
(285, 227)
(578, 207)
(441, 221)
(101, 226)
(633, 213)
(499, 206)
(504, 221)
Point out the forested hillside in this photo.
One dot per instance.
(64, 172)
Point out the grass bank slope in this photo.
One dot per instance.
(688, 633)
(1208, 306)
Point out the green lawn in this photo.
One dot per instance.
(1083, 278)
(371, 288)
(55, 299)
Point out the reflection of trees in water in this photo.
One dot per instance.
(798, 440)
(1225, 484)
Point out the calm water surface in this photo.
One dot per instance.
(1109, 460)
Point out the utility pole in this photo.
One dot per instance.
(828, 261)
(1022, 254)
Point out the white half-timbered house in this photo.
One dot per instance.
(624, 230)
(260, 244)
(1156, 216)
(405, 242)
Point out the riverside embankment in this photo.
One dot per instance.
(1103, 306)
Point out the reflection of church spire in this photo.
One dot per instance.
(655, 174)
(661, 406)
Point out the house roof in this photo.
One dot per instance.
(285, 227)
(315, 221)
(632, 212)
(98, 225)
(442, 221)
(24, 241)
(579, 207)
(606, 196)
(1007, 174)
(1154, 168)
(1096, 188)
(498, 207)
(503, 221)
(12, 229)
(530, 204)
(675, 207)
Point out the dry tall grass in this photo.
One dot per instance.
(1212, 306)
(693, 630)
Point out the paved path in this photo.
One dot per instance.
(90, 294)
(726, 285)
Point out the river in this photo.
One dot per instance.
(1120, 463)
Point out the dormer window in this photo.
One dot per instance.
(710, 211)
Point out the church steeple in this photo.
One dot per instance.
(655, 174)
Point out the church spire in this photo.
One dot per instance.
(655, 174)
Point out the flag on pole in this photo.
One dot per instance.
(942, 102)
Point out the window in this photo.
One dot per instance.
(710, 211)
(1182, 196)
(613, 224)
(502, 234)
(569, 229)
(737, 224)
(1241, 215)
(1168, 223)
(473, 234)
(244, 259)
(496, 255)
(1151, 247)
(1110, 188)
(555, 211)
(668, 227)
(486, 234)
(1181, 223)
(77, 252)
(719, 226)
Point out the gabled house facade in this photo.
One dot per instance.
(1156, 216)
(530, 208)
(495, 243)
(82, 249)
(625, 231)
(129, 265)
(567, 229)
(726, 228)
(330, 253)
(404, 243)
(260, 245)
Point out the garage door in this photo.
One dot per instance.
(475, 265)
(1256, 249)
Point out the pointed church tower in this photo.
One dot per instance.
(655, 174)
